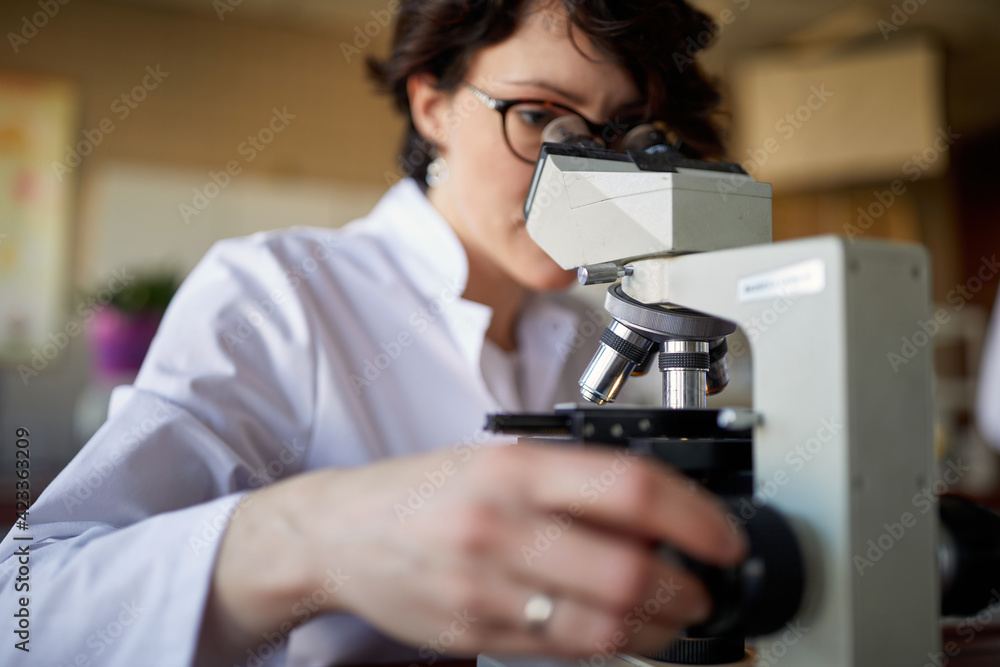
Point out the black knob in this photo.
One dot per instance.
(702, 651)
(968, 556)
(760, 595)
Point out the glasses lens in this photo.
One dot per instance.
(642, 137)
(617, 132)
(525, 122)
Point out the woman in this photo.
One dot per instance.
(365, 359)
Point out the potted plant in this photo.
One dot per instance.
(124, 323)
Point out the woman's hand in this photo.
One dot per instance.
(443, 551)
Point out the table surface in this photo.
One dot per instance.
(979, 650)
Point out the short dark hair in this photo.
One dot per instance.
(655, 40)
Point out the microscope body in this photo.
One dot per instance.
(844, 447)
(842, 440)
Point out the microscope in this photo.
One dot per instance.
(830, 473)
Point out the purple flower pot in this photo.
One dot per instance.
(119, 341)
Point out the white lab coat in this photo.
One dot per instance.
(988, 396)
(282, 352)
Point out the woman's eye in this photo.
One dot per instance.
(536, 117)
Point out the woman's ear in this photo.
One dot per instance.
(428, 108)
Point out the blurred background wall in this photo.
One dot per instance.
(222, 71)
(839, 103)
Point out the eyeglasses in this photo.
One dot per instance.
(524, 121)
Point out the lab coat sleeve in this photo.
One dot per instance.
(125, 538)
(988, 395)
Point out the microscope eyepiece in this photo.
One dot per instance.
(570, 130)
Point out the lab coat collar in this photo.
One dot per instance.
(434, 258)
(435, 261)
(437, 264)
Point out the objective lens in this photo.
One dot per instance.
(718, 372)
(685, 365)
(620, 351)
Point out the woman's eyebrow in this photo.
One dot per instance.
(575, 99)
(633, 105)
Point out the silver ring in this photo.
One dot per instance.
(538, 610)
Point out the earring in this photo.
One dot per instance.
(437, 172)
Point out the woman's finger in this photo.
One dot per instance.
(607, 569)
(629, 493)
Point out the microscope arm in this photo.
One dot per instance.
(844, 449)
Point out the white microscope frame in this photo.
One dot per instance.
(845, 446)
